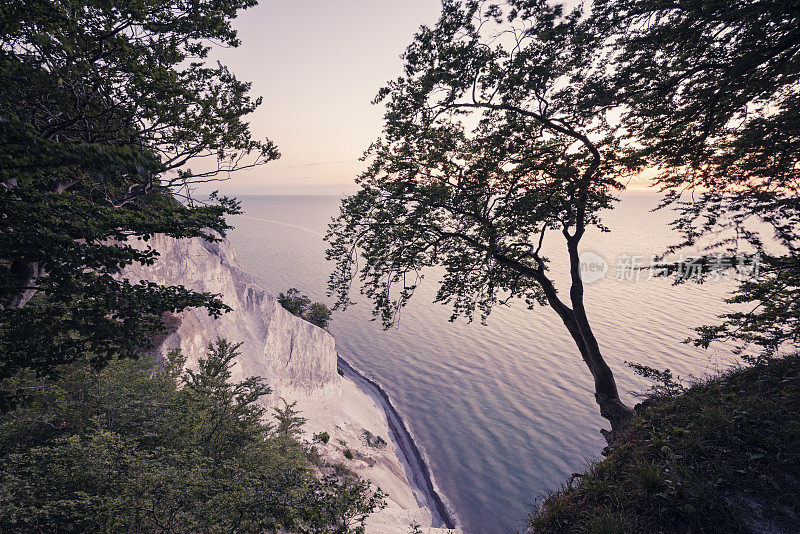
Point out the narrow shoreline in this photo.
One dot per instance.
(404, 440)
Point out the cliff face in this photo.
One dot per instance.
(290, 353)
(299, 362)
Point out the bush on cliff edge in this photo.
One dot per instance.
(300, 305)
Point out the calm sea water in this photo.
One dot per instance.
(505, 411)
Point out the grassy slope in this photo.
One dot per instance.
(722, 457)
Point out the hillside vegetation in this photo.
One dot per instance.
(141, 446)
(720, 456)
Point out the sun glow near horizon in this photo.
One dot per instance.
(317, 67)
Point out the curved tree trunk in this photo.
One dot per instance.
(605, 386)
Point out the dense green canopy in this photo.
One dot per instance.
(140, 447)
(103, 104)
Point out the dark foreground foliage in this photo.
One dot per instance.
(144, 447)
(104, 107)
(722, 456)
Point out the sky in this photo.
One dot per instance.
(318, 65)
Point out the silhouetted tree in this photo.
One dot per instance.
(489, 160)
(709, 96)
(103, 105)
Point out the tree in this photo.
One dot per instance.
(709, 94)
(300, 305)
(289, 424)
(488, 150)
(127, 449)
(319, 314)
(229, 409)
(103, 105)
(345, 505)
(294, 302)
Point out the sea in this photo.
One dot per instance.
(503, 412)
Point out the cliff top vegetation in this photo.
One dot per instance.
(720, 456)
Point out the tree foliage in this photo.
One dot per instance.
(491, 160)
(318, 314)
(300, 305)
(141, 446)
(294, 302)
(289, 422)
(103, 105)
(709, 95)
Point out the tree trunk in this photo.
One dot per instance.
(605, 386)
(26, 274)
(607, 397)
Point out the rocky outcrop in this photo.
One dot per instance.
(299, 362)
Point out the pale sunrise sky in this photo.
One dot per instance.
(318, 65)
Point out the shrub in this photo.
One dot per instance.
(318, 314)
(141, 446)
(373, 440)
(294, 302)
(301, 306)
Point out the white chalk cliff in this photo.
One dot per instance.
(299, 361)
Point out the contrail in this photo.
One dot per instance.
(312, 232)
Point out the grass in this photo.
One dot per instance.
(722, 456)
